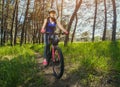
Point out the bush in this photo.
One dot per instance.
(20, 68)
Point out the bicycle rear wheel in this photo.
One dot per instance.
(58, 64)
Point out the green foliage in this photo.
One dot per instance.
(20, 69)
(93, 61)
(99, 56)
(38, 48)
(15, 50)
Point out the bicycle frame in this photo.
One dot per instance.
(53, 53)
(53, 50)
(54, 45)
(56, 56)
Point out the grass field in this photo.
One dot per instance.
(18, 67)
(94, 64)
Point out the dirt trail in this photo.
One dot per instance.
(68, 79)
(51, 81)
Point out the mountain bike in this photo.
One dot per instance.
(55, 56)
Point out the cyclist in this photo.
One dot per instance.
(49, 25)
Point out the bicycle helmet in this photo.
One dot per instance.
(52, 10)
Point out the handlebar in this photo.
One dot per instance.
(53, 33)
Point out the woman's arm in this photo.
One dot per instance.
(61, 27)
(44, 24)
(43, 27)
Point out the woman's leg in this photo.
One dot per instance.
(46, 49)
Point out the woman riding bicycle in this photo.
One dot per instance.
(49, 26)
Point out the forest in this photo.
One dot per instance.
(91, 49)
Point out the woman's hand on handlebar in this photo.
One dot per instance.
(42, 31)
(66, 32)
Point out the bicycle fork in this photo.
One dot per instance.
(53, 54)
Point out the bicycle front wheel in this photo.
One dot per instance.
(58, 63)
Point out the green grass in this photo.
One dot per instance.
(93, 63)
(18, 67)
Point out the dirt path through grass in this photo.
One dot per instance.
(51, 81)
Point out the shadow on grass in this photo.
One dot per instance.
(88, 76)
(82, 78)
(114, 73)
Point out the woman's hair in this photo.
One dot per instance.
(54, 19)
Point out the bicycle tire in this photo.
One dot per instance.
(61, 62)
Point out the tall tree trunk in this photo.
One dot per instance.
(95, 17)
(61, 15)
(114, 24)
(33, 20)
(57, 9)
(23, 30)
(52, 1)
(34, 26)
(25, 34)
(2, 22)
(105, 23)
(32, 32)
(11, 32)
(16, 23)
(5, 21)
(39, 36)
(43, 20)
(78, 4)
(74, 29)
(37, 32)
(61, 11)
